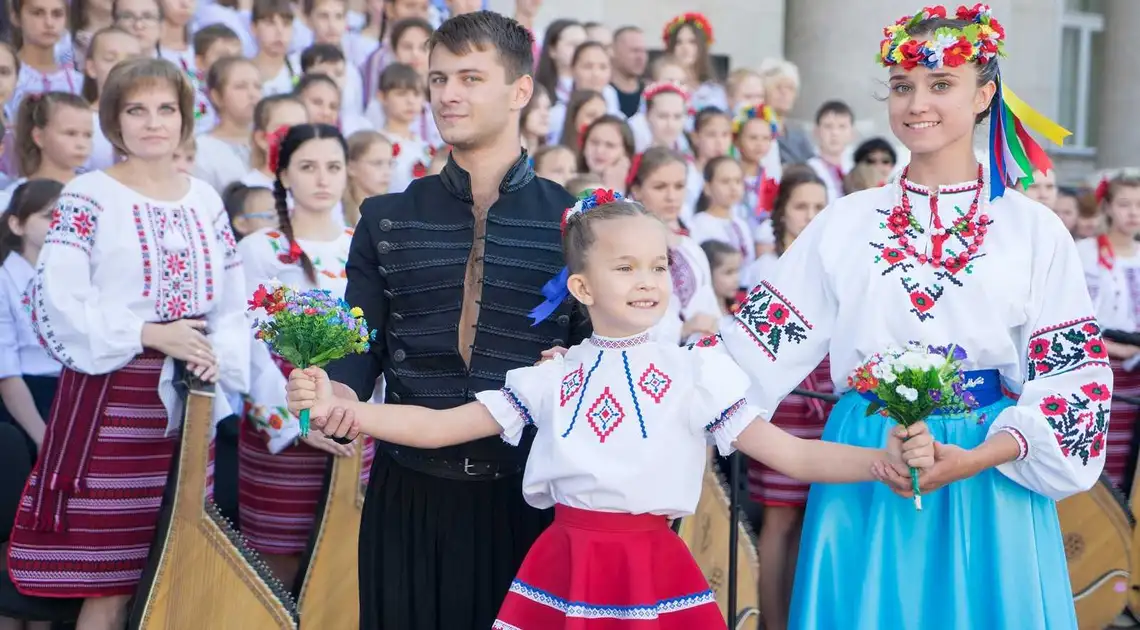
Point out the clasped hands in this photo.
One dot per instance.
(938, 464)
(311, 389)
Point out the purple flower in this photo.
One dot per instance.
(959, 388)
(952, 351)
(969, 400)
(935, 395)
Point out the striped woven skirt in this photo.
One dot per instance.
(803, 417)
(1121, 428)
(109, 522)
(609, 571)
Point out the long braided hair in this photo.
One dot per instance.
(282, 145)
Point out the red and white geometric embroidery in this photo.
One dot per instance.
(605, 415)
(655, 383)
(571, 385)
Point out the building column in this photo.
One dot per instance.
(1119, 135)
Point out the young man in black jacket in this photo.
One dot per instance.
(446, 273)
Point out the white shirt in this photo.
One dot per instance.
(1115, 292)
(219, 162)
(692, 291)
(424, 128)
(731, 231)
(23, 354)
(622, 423)
(261, 253)
(832, 179)
(115, 260)
(409, 162)
(847, 288)
(32, 81)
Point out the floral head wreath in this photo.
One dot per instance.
(752, 112)
(660, 87)
(696, 20)
(274, 141)
(1014, 154)
(555, 290)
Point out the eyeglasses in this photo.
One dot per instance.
(132, 19)
(260, 216)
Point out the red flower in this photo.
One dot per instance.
(1085, 418)
(765, 327)
(898, 222)
(766, 200)
(969, 14)
(952, 264)
(1091, 329)
(1096, 391)
(292, 256)
(987, 47)
(260, 297)
(912, 54)
(419, 170)
(965, 228)
(274, 141)
(1043, 368)
(603, 196)
(936, 11)
(1095, 349)
(959, 53)
(998, 28)
(892, 255)
(1038, 349)
(395, 149)
(921, 301)
(1054, 406)
(778, 314)
(1097, 444)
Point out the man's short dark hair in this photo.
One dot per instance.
(626, 29)
(838, 108)
(486, 29)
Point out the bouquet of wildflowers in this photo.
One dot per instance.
(309, 329)
(909, 384)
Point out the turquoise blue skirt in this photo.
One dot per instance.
(983, 553)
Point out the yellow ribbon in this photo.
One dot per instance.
(1034, 119)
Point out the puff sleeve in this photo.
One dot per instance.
(527, 396)
(718, 407)
(1061, 417)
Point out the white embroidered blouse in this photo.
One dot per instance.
(23, 354)
(622, 424)
(848, 287)
(1114, 286)
(114, 260)
(265, 254)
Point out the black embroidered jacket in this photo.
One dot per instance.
(406, 271)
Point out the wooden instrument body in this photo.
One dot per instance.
(200, 573)
(1134, 582)
(1097, 527)
(706, 534)
(330, 592)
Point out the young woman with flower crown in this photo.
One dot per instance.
(281, 473)
(688, 37)
(604, 413)
(947, 255)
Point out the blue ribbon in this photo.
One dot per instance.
(556, 292)
(998, 172)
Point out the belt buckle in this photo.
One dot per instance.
(467, 467)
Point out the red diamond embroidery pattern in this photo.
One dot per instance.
(571, 385)
(605, 415)
(655, 383)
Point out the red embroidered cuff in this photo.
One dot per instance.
(1022, 444)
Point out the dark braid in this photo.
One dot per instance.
(298, 135)
(281, 197)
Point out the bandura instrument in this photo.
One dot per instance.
(706, 534)
(330, 595)
(1097, 527)
(200, 573)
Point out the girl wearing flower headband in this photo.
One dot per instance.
(281, 472)
(930, 260)
(1112, 268)
(688, 37)
(139, 268)
(603, 416)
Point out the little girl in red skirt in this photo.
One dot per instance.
(621, 428)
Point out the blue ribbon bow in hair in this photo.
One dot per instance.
(555, 290)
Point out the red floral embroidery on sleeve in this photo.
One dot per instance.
(1080, 421)
(771, 320)
(1064, 348)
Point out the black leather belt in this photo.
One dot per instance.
(465, 469)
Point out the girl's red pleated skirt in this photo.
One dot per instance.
(609, 571)
(1123, 423)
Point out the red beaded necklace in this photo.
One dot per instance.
(964, 226)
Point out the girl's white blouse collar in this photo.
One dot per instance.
(620, 343)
